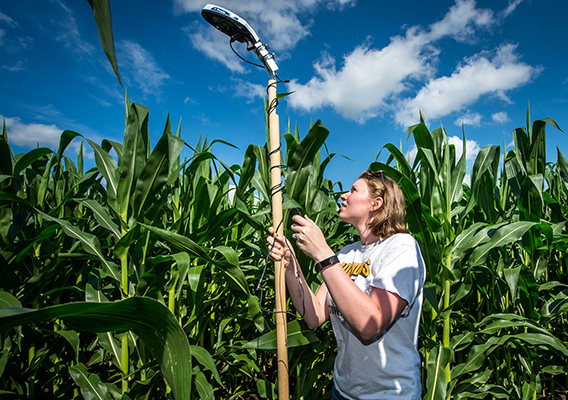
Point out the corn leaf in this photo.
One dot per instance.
(297, 334)
(90, 384)
(502, 236)
(147, 318)
(101, 11)
(436, 383)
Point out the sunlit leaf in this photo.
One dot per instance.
(148, 319)
(101, 11)
(297, 336)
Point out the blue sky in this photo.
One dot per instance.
(364, 68)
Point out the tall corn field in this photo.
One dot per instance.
(146, 276)
(494, 320)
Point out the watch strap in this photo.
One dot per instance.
(325, 263)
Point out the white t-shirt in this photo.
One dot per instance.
(388, 366)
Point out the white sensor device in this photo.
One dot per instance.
(239, 30)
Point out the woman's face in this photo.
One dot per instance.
(356, 205)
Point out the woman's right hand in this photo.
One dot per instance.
(279, 248)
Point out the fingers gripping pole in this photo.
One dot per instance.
(280, 282)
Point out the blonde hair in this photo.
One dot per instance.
(390, 218)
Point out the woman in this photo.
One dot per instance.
(371, 291)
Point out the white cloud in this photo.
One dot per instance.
(32, 135)
(248, 90)
(281, 24)
(8, 41)
(500, 117)
(470, 118)
(461, 22)
(18, 66)
(101, 101)
(479, 76)
(215, 45)
(5, 19)
(412, 153)
(368, 78)
(68, 32)
(511, 7)
(472, 149)
(370, 82)
(29, 135)
(141, 68)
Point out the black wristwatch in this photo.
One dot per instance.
(325, 263)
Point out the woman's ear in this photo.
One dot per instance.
(376, 204)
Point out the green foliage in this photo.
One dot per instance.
(143, 277)
(494, 317)
(139, 229)
(147, 318)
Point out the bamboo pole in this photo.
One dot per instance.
(279, 280)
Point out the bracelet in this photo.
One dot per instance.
(325, 263)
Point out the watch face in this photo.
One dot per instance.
(324, 263)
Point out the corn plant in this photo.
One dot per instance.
(82, 252)
(495, 259)
(494, 317)
(142, 229)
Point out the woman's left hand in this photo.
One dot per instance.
(310, 239)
